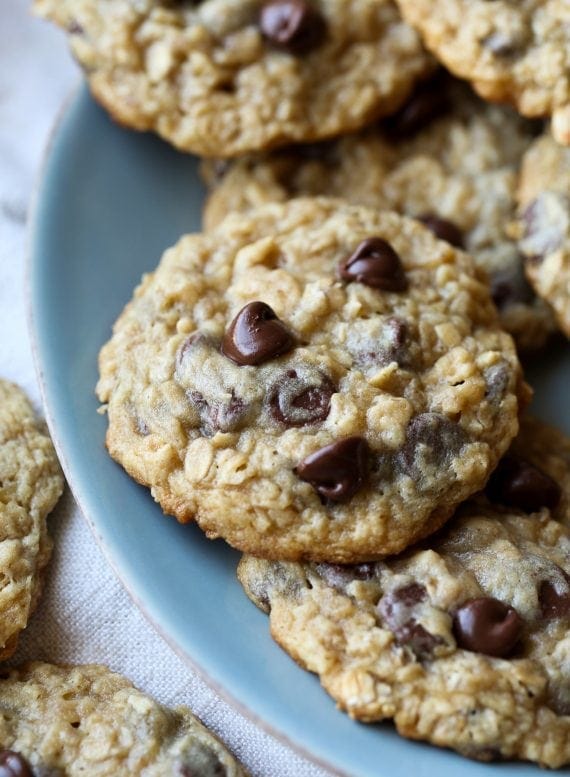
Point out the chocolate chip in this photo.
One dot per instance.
(497, 379)
(13, 764)
(293, 25)
(510, 287)
(388, 342)
(256, 335)
(200, 761)
(336, 471)
(431, 439)
(219, 416)
(518, 483)
(554, 602)
(545, 221)
(338, 576)
(397, 611)
(300, 397)
(376, 264)
(488, 626)
(195, 340)
(428, 101)
(443, 229)
(501, 45)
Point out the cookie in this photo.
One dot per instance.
(80, 720)
(511, 52)
(221, 77)
(544, 224)
(313, 380)
(447, 157)
(31, 482)
(464, 641)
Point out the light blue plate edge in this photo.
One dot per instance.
(82, 457)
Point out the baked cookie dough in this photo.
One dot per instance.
(447, 157)
(464, 641)
(31, 482)
(544, 225)
(86, 720)
(312, 380)
(510, 51)
(221, 77)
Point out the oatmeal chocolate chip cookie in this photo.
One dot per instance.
(87, 720)
(31, 482)
(510, 51)
(464, 642)
(544, 224)
(221, 77)
(447, 158)
(313, 380)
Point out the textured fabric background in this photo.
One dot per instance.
(85, 615)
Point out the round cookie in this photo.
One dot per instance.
(313, 380)
(221, 77)
(510, 51)
(544, 224)
(88, 720)
(464, 642)
(447, 154)
(31, 482)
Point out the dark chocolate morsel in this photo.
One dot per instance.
(443, 229)
(376, 264)
(518, 483)
(510, 287)
(431, 438)
(13, 764)
(256, 335)
(487, 626)
(296, 399)
(338, 576)
(336, 471)
(397, 610)
(428, 101)
(293, 25)
(554, 603)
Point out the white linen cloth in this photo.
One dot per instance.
(85, 615)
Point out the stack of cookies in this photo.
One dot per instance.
(328, 376)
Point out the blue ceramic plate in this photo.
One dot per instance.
(109, 203)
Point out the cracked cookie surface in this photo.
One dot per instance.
(544, 224)
(464, 641)
(516, 52)
(447, 155)
(77, 720)
(31, 482)
(205, 77)
(372, 412)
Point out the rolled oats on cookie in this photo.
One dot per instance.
(312, 380)
(221, 77)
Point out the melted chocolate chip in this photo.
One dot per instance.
(194, 340)
(428, 101)
(293, 25)
(218, 416)
(256, 335)
(544, 221)
(431, 438)
(300, 397)
(201, 761)
(518, 483)
(501, 45)
(443, 229)
(337, 471)
(376, 264)
(554, 603)
(389, 344)
(338, 576)
(510, 287)
(397, 611)
(497, 379)
(487, 626)
(13, 764)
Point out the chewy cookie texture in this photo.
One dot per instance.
(464, 640)
(31, 482)
(313, 380)
(221, 77)
(446, 158)
(86, 720)
(515, 52)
